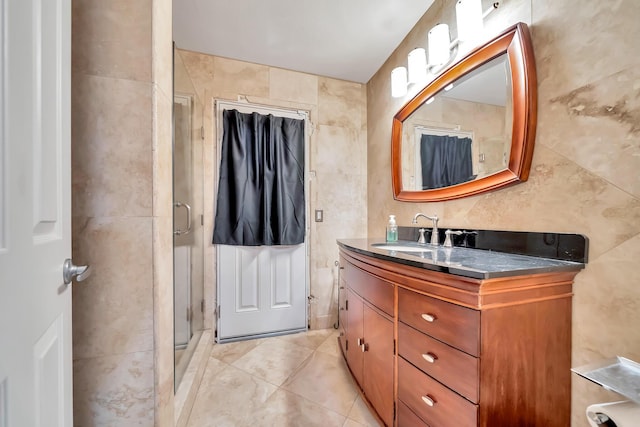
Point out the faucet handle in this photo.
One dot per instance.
(421, 239)
(447, 241)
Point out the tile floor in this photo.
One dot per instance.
(297, 380)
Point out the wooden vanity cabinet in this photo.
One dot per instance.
(369, 344)
(470, 352)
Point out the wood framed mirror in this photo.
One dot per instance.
(472, 129)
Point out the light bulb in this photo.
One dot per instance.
(439, 41)
(417, 61)
(469, 19)
(398, 82)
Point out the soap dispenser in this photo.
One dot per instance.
(392, 229)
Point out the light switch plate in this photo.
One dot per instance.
(319, 215)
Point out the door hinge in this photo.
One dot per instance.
(202, 306)
(202, 132)
(394, 411)
(346, 305)
(201, 219)
(218, 312)
(346, 345)
(188, 314)
(394, 347)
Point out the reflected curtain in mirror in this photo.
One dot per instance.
(261, 187)
(445, 160)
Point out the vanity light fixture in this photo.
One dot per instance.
(469, 20)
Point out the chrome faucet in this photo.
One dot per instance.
(434, 231)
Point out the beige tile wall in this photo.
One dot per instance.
(584, 177)
(337, 158)
(122, 216)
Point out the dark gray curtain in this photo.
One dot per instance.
(261, 191)
(446, 160)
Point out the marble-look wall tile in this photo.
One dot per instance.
(293, 86)
(111, 147)
(162, 155)
(113, 308)
(114, 390)
(162, 46)
(112, 38)
(337, 151)
(568, 59)
(163, 320)
(237, 78)
(606, 305)
(209, 159)
(198, 72)
(339, 103)
(601, 128)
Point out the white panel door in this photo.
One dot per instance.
(35, 214)
(262, 290)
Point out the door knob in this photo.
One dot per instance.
(69, 271)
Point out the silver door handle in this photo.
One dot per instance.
(69, 271)
(188, 208)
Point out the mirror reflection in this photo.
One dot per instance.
(462, 133)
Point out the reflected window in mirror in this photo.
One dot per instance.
(485, 107)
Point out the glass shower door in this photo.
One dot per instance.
(188, 241)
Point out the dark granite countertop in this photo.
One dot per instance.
(461, 261)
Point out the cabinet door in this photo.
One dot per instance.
(355, 335)
(378, 363)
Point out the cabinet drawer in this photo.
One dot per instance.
(406, 417)
(377, 291)
(452, 367)
(453, 324)
(447, 409)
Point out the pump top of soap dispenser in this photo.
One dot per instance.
(392, 220)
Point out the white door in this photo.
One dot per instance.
(262, 290)
(35, 214)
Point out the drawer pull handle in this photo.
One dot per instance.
(429, 400)
(430, 357)
(429, 317)
(360, 341)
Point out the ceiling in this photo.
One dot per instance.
(343, 39)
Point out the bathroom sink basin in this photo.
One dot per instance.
(401, 247)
